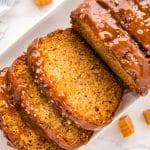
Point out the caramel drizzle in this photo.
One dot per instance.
(132, 19)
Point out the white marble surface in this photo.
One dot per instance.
(25, 14)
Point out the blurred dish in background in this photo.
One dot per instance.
(5, 5)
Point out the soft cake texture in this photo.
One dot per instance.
(67, 71)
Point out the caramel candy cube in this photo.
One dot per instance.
(146, 114)
(42, 2)
(126, 126)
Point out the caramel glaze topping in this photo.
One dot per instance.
(3, 83)
(135, 21)
(144, 5)
(116, 40)
(5, 88)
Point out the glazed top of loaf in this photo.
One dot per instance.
(131, 58)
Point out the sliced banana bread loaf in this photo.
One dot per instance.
(132, 19)
(20, 136)
(114, 45)
(78, 82)
(44, 116)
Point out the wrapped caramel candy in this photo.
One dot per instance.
(42, 2)
(126, 126)
(146, 114)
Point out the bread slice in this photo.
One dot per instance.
(78, 82)
(132, 19)
(20, 136)
(113, 44)
(44, 116)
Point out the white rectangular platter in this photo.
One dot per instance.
(59, 18)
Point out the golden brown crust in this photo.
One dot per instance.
(117, 41)
(20, 136)
(46, 85)
(132, 19)
(30, 108)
